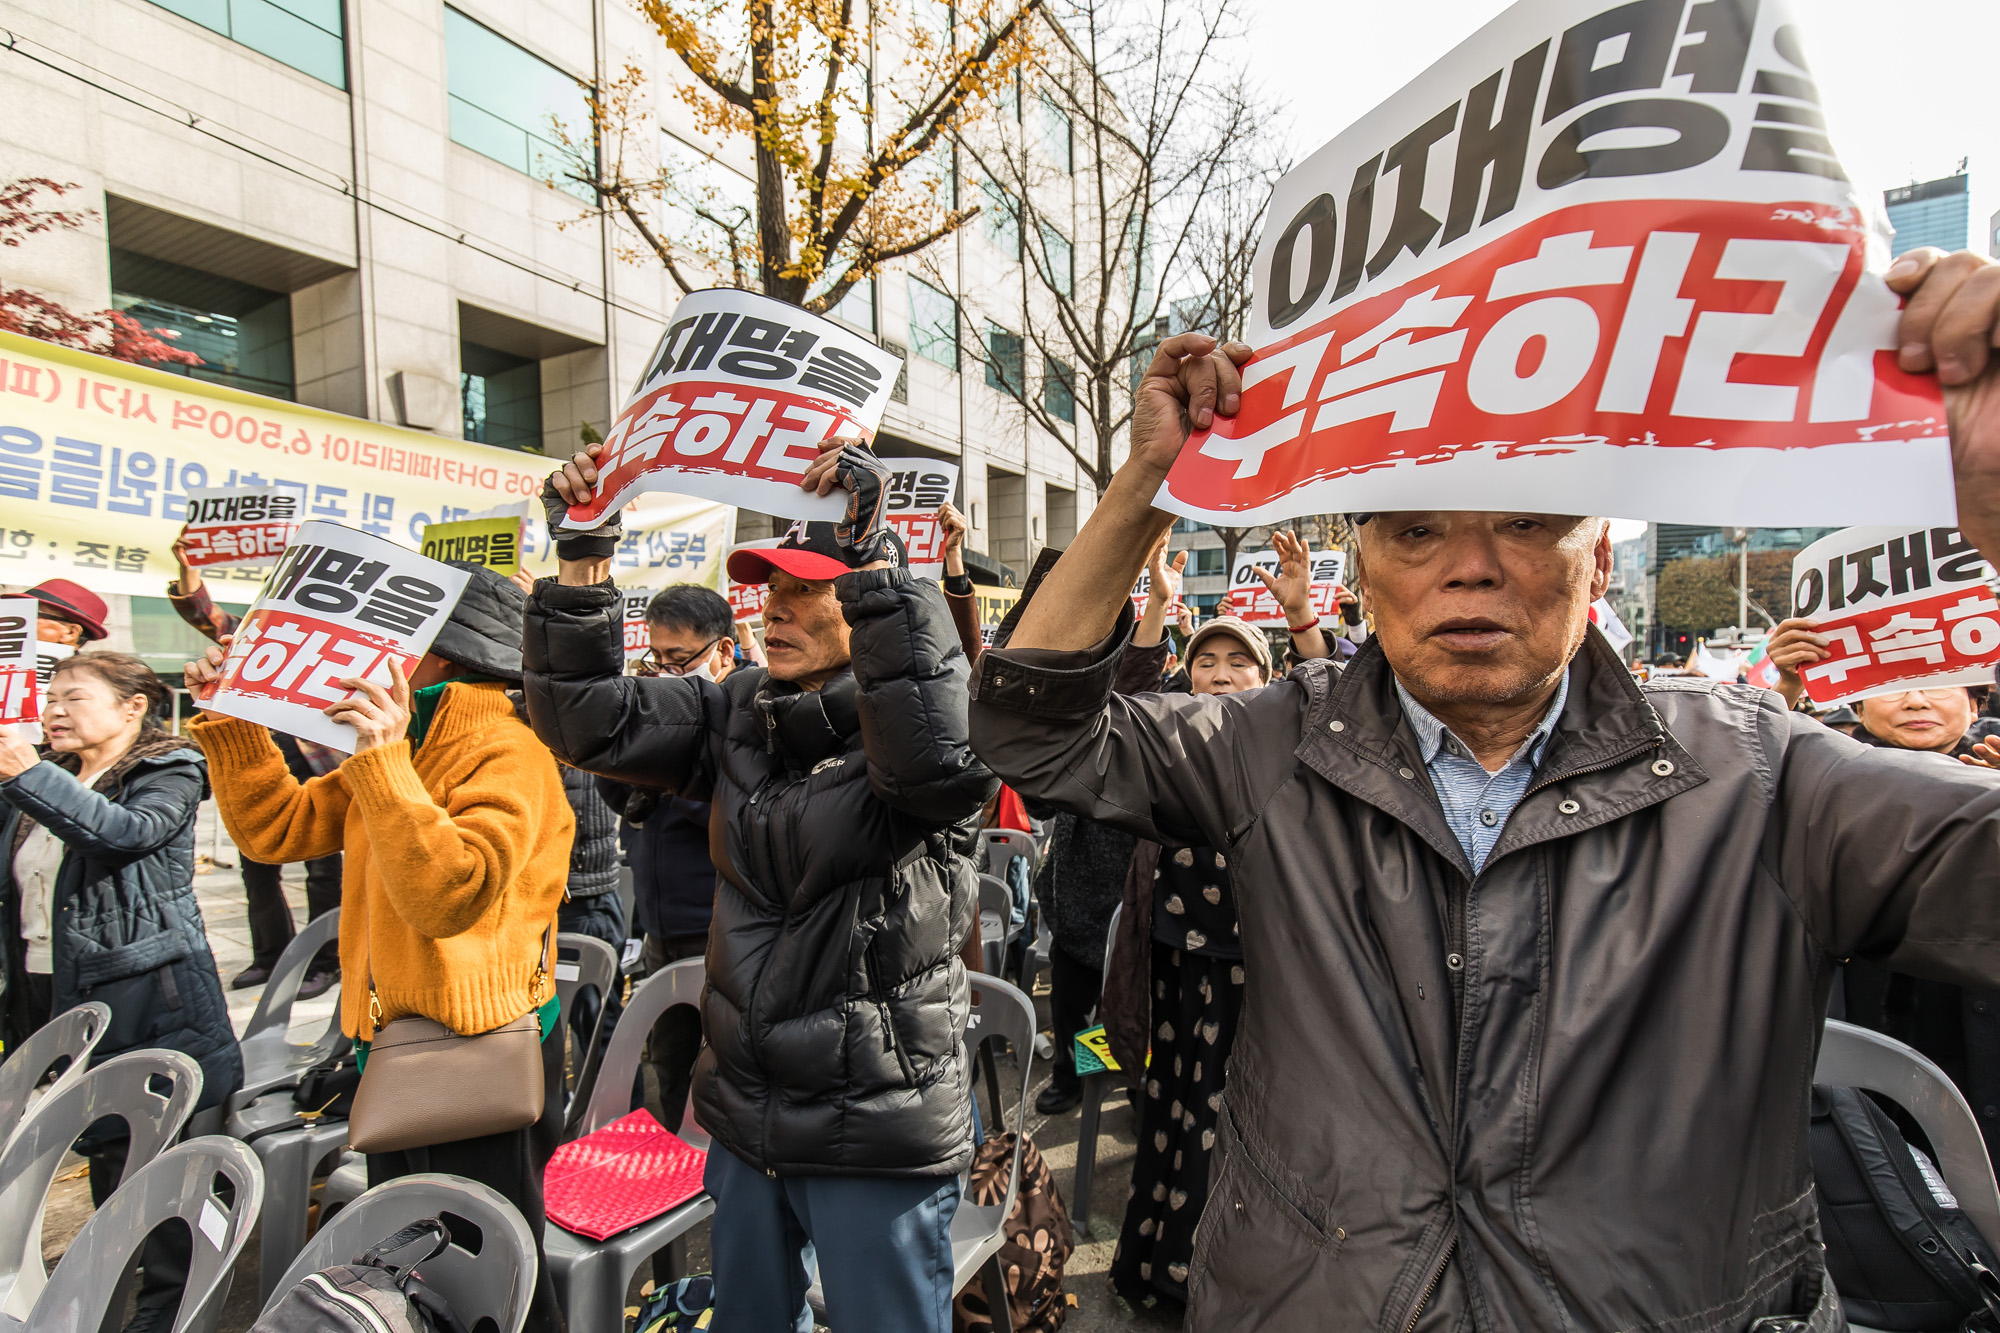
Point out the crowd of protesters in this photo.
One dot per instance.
(1458, 974)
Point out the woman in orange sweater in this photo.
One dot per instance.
(457, 839)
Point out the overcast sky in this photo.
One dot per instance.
(1908, 86)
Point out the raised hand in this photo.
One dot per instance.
(1292, 585)
(847, 464)
(1951, 325)
(379, 715)
(1191, 379)
(955, 528)
(1795, 645)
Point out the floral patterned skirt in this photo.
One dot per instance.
(1196, 1003)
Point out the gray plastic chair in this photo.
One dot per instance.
(290, 1148)
(180, 1182)
(584, 961)
(271, 1059)
(997, 927)
(494, 1282)
(592, 1276)
(1004, 844)
(1000, 1012)
(1096, 1087)
(1854, 1057)
(121, 1086)
(72, 1035)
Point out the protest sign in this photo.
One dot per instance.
(492, 542)
(338, 604)
(1906, 608)
(637, 642)
(994, 604)
(244, 525)
(917, 486)
(734, 405)
(1600, 254)
(1606, 618)
(1142, 594)
(20, 689)
(1252, 603)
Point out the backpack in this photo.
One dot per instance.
(1902, 1255)
(686, 1304)
(369, 1295)
(1038, 1243)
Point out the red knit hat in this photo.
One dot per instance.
(73, 601)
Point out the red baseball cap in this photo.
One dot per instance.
(73, 601)
(809, 551)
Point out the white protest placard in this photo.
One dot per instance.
(20, 687)
(746, 600)
(734, 405)
(1252, 603)
(1606, 618)
(239, 525)
(1600, 255)
(338, 604)
(637, 641)
(917, 486)
(1906, 608)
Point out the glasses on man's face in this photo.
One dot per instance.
(679, 664)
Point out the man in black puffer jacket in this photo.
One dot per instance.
(845, 805)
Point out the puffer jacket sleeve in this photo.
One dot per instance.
(108, 832)
(1174, 768)
(651, 731)
(1890, 855)
(912, 676)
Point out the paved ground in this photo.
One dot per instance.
(220, 892)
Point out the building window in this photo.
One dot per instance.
(1006, 365)
(1059, 390)
(502, 397)
(1058, 139)
(857, 307)
(1061, 264)
(308, 35)
(1209, 561)
(242, 334)
(1189, 525)
(1003, 220)
(506, 103)
(933, 324)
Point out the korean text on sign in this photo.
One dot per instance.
(746, 600)
(735, 404)
(1251, 602)
(638, 642)
(492, 542)
(1599, 251)
(238, 525)
(20, 690)
(1906, 608)
(917, 486)
(339, 604)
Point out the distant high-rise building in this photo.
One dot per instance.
(1935, 212)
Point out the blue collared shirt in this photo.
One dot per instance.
(1477, 803)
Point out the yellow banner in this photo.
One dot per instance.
(994, 604)
(492, 542)
(97, 456)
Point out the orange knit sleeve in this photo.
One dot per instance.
(271, 816)
(444, 867)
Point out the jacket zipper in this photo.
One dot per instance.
(1613, 762)
(1430, 1287)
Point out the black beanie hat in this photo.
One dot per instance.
(483, 634)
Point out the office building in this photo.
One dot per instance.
(1935, 212)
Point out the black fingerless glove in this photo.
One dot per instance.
(863, 530)
(598, 543)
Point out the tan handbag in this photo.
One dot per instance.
(425, 1084)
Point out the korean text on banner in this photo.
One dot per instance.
(994, 604)
(338, 604)
(99, 459)
(734, 406)
(1252, 603)
(244, 525)
(1906, 608)
(746, 600)
(1599, 251)
(917, 486)
(20, 690)
(492, 542)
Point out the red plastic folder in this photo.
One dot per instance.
(629, 1172)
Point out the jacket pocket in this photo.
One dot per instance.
(1253, 1237)
(98, 966)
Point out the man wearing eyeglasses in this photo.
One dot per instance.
(689, 630)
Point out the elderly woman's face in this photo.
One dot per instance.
(1224, 665)
(1474, 607)
(1919, 719)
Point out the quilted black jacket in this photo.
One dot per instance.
(841, 827)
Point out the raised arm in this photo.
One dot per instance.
(270, 815)
(912, 678)
(99, 827)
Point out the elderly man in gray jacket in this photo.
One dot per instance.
(1536, 957)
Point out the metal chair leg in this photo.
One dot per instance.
(1086, 1153)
